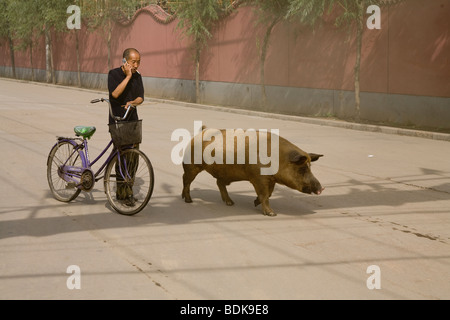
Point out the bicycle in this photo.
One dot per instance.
(128, 172)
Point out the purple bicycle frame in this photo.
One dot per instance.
(72, 173)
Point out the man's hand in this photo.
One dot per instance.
(127, 69)
(128, 104)
(134, 103)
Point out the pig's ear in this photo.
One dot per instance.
(315, 157)
(296, 157)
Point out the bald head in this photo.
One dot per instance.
(129, 51)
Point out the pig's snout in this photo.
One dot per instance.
(317, 189)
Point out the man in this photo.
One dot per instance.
(125, 85)
(126, 88)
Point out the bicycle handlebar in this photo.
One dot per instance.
(129, 107)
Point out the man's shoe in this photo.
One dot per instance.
(129, 202)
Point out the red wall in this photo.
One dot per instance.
(419, 48)
(409, 55)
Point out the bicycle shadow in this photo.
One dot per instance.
(91, 210)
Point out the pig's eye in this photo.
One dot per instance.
(304, 168)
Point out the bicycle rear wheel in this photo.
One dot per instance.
(129, 181)
(61, 157)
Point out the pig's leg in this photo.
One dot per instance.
(224, 193)
(271, 187)
(264, 190)
(190, 172)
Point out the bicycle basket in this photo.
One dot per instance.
(126, 133)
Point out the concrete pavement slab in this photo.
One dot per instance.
(386, 204)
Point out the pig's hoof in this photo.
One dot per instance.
(186, 197)
(229, 202)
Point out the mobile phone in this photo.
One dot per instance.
(124, 61)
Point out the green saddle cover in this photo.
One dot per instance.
(85, 132)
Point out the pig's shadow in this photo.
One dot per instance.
(281, 202)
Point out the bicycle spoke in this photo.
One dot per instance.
(129, 185)
(62, 153)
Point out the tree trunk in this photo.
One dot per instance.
(11, 52)
(359, 34)
(197, 75)
(48, 71)
(31, 62)
(77, 44)
(52, 64)
(108, 43)
(263, 55)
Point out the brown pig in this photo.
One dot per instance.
(237, 155)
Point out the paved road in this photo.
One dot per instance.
(386, 204)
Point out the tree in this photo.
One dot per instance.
(102, 14)
(24, 18)
(304, 12)
(196, 20)
(6, 31)
(352, 14)
(271, 12)
(54, 17)
(27, 20)
(72, 25)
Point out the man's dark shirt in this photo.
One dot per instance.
(133, 90)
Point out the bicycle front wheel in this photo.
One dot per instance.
(129, 181)
(62, 157)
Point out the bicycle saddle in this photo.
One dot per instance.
(85, 132)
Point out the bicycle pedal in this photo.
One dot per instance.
(71, 185)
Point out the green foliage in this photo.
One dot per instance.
(306, 11)
(352, 10)
(4, 21)
(197, 17)
(100, 13)
(269, 9)
(25, 19)
(54, 13)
